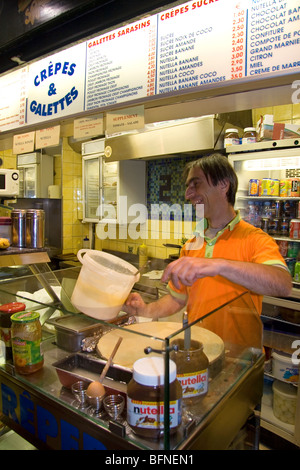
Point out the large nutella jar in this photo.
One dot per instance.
(192, 370)
(145, 398)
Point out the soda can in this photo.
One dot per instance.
(288, 209)
(284, 227)
(274, 187)
(298, 210)
(295, 186)
(266, 187)
(265, 224)
(253, 187)
(292, 251)
(277, 208)
(295, 229)
(290, 262)
(283, 247)
(284, 188)
(297, 271)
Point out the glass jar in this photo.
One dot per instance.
(231, 137)
(6, 311)
(26, 336)
(249, 136)
(145, 398)
(192, 370)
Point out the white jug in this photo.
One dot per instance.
(103, 284)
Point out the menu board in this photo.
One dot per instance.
(197, 44)
(121, 65)
(211, 42)
(13, 99)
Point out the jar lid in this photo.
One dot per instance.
(249, 129)
(25, 317)
(151, 371)
(5, 221)
(231, 130)
(12, 307)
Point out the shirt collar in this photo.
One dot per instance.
(202, 226)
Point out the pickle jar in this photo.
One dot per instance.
(26, 337)
(192, 370)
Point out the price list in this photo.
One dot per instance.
(151, 74)
(196, 43)
(273, 40)
(13, 99)
(121, 65)
(239, 39)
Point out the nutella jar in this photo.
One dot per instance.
(249, 136)
(231, 137)
(145, 398)
(192, 370)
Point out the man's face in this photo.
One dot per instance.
(201, 191)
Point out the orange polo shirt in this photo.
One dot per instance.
(238, 241)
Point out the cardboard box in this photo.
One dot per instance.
(267, 129)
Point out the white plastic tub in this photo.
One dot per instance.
(283, 367)
(284, 401)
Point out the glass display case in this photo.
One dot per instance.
(110, 188)
(218, 376)
(276, 211)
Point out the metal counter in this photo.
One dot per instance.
(43, 411)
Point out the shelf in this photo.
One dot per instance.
(268, 198)
(274, 425)
(21, 256)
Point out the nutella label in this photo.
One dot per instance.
(150, 415)
(193, 384)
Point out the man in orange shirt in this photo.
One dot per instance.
(235, 257)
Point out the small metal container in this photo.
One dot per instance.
(18, 218)
(72, 329)
(35, 228)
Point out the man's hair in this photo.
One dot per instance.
(216, 168)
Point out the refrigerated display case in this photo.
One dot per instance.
(36, 174)
(263, 170)
(110, 188)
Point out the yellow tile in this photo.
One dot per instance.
(151, 251)
(68, 218)
(296, 111)
(160, 253)
(67, 169)
(67, 244)
(67, 206)
(68, 156)
(121, 246)
(77, 230)
(283, 113)
(67, 231)
(98, 244)
(68, 194)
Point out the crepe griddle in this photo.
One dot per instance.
(153, 334)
